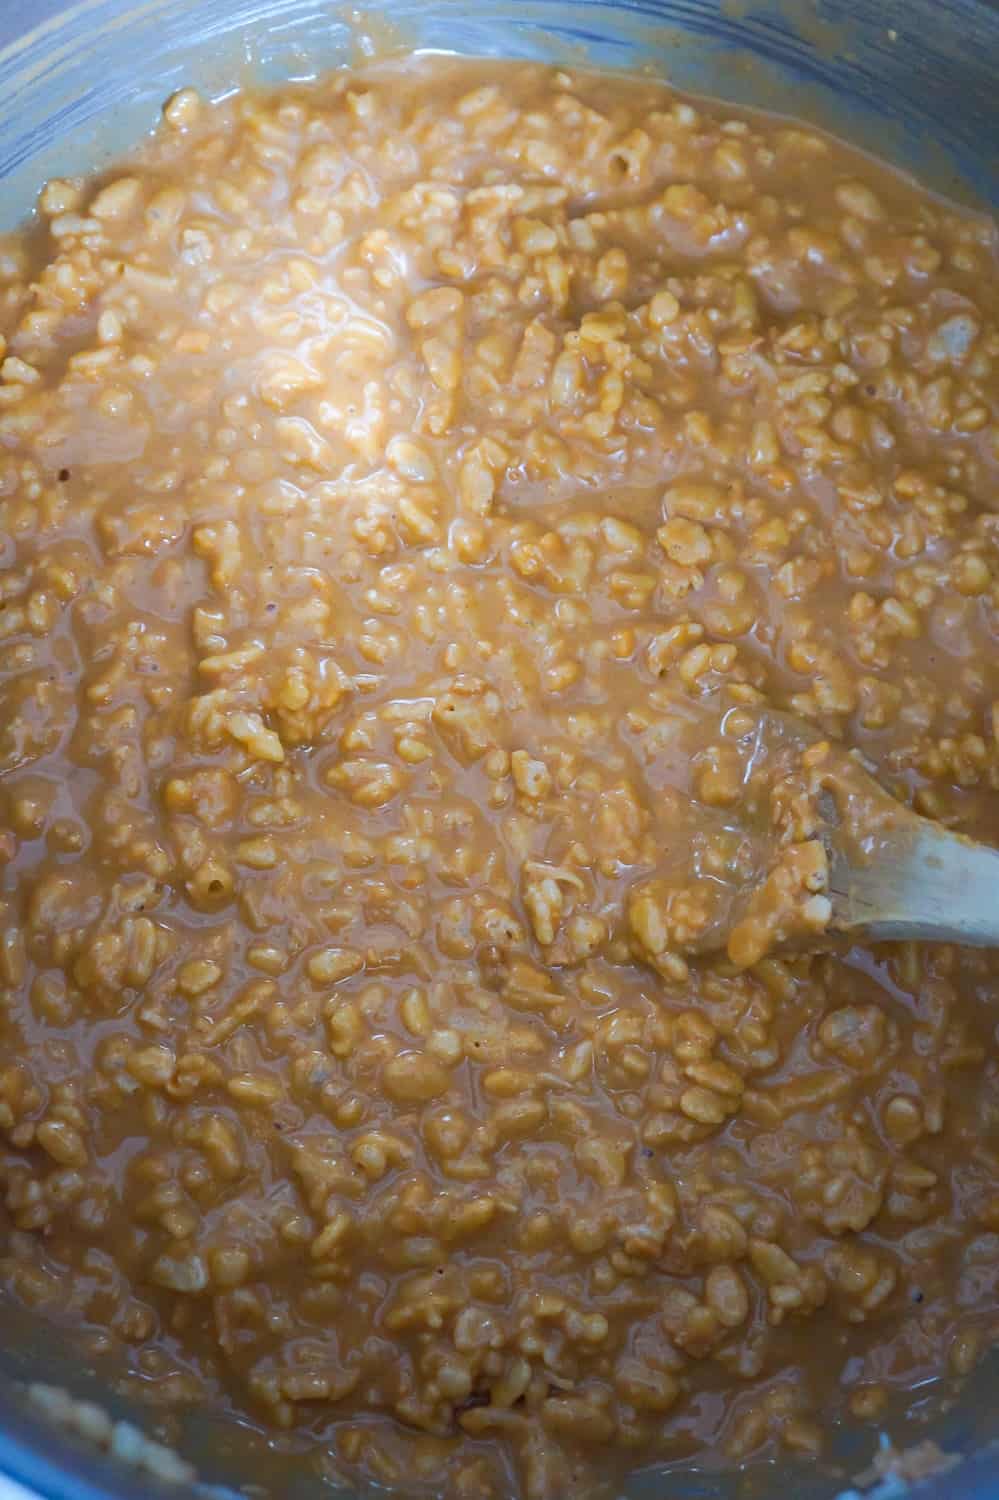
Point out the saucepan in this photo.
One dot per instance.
(913, 80)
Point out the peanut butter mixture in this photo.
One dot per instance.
(421, 495)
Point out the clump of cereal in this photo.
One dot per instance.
(422, 492)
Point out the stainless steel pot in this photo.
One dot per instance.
(913, 80)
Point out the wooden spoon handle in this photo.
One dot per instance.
(924, 882)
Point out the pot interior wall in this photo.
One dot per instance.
(913, 80)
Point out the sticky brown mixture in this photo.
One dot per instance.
(413, 489)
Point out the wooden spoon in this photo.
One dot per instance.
(817, 850)
(918, 880)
